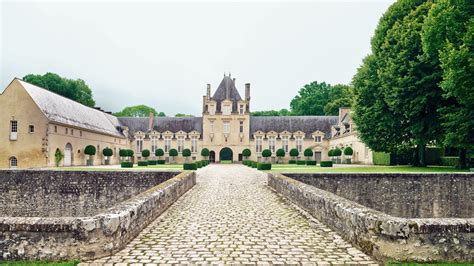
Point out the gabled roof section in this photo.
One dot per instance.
(62, 110)
(306, 124)
(162, 124)
(226, 90)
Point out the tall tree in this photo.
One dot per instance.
(138, 111)
(282, 112)
(340, 95)
(76, 90)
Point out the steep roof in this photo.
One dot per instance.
(226, 90)
(162, 124)
(62, 110)
(306, 124)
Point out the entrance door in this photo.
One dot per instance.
(212, 156)
(317, 156)
(225, 154)
(68, 155)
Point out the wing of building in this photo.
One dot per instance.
(42, 129)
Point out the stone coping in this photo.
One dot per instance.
(67, 238)
(381, 235)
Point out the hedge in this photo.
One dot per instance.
(449, 160)
(205, 162)
(142, 163)
(198, 164)
(292, 161)
(254, 164)
(326, 163)
(190, 166)
(126, 164)
(381, 158)
(301, 162)
(310, 162)
(264, 166)
(160, 161)
(151, 162)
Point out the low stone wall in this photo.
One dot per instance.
(381, 235)
(66, 238)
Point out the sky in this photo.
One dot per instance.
(163, 54)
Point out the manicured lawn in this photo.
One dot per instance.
(161, 167)
(30, 263)
(225, 162)
(362, 169)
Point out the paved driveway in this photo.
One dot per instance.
(231, 216)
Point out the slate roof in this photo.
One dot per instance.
(162, 124)
(66, 111)
(307, 124)
(227, 84)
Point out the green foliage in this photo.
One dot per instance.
(246, 153)
(142, 163)
(321, 99)
(247, 162)
(76, 90)
(198, 164)
(159, 152)
(160, 161)
(146, 153)
(308, 152)
(138, 111)
(186, 152)
(337, 152)
(173, 152)
(254, 164)
(294, 152)
(123, 153)
(292, 162)
(331, 153)
(449, 161)
(205, 162)
(107, 152)
(58, 157)
(190, 166)
(126, 164)
(205, 152)
(280, 153)
(381, 158)
(264, 166)
(183, 115)
(282, 112)
(300, 162)
(90, 150)
(348, 151)
(326, 164)
(310, 162)
(152, 162)
(130, 153)
(266, 153)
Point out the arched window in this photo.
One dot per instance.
(13, 162)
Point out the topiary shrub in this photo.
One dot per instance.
(264, 166)
(254, 164)
(301, 162)
(348, 151)
(294, 153)
(142, 163)
(107, 152)
(246, 153)
(325, 163)
(159, 153)
(190, 166)
(130, 153)
(337, 152)
(310, 162)
(123, 153)
(173, 153)
(160, 161)
(152, 162)
(90, 150)
(308, 153)
(205, 152)
(266, 153)
(292, 161)
(126, 164)
(186, 153)
(280, 153)
(198, 164)
(146, 153)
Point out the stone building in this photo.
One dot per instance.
(37, 123)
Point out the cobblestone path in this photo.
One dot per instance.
(231, 216)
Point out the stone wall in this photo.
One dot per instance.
(381, 235)
(70, 193)
(89, 237)
(405, 195)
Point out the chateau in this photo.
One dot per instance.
(36, 123)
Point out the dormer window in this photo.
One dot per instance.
(212, 109)
(139, 144)
(241, 109)
(226, 109)
(317, 139)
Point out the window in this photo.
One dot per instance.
(241, 109)
(226, 127)
(317, 139)
(180, 143)
(299, 143)
(72, 131)
(13, 162)
(13, 127)
(139, 143)
(241, 126)
(31, 129)
(167, 143)
(66, 130)
(258, 144)
(226, 109)
(55, 129)
(212, 109)
(154, 143)
(80, 133)
(284, 142)
(193, 144)
(271, 143)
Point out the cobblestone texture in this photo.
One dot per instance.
(231, 216)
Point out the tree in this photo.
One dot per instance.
(266, 153)
(173, 153)
(90, 150)
(107, 152)
(130, 154)
(282, 112)
(138, 111)
(246, 153)
(348, 151)
(186, 153)
(205, 153)
(159, 152)
(337, 152)
(182, 115)
(294, 153)
(76, 90)
(58, 157)
(146, 153)
(308, 153)
(123, 153)
(280, 153)
(340, 95)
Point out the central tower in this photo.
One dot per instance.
(226, 119)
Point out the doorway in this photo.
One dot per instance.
(212, 156)
(68, 155)
(225, 154)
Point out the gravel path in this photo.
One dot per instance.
(232, 216)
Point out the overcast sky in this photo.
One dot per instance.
(163, 54)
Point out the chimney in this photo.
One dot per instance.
(151, 119)
(233, 81)
(247, 91)
(343, 111)
(208, 92)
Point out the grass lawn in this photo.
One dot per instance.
(161, 167)
(225, 162)
(30, 263)
(361, 169)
